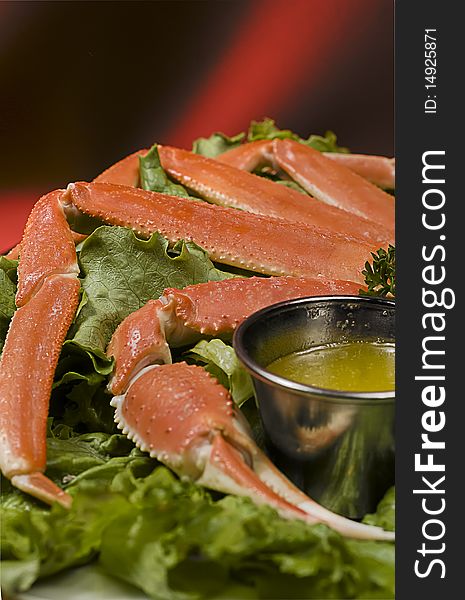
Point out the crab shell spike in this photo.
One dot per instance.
(227, 186)
(187, 420)
(380, 170)
(217, 308)
(230, 236)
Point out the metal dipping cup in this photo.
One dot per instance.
(337, 446)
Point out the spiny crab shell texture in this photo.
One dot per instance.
(181, 317)
(168, 415)
(230, 236)
(222, 184)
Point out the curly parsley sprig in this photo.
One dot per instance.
(380, 277)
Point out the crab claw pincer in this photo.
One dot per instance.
(183, 417)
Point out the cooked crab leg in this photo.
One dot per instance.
(15, 252)
(326, 179)
(229, 186)
(47, 298)
(182, 317)
(380, 170)
(184, 418)
(233, 237)
(123, 172)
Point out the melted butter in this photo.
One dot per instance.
(353, 367)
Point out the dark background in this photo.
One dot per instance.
(85, 83)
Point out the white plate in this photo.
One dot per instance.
(91, 583)
(85, 583)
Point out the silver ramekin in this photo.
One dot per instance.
(337, 446)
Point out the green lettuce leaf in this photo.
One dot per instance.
(216, 144)
(84, 404)
(69, 455)
(293, 185)
(198, 548)
(385, 514)
(122, 272)
(79, 397)
(7, 295)
(170, 539)
(154, 178)
(10, 267)
(276, 177)
(267, 130)
(221, 361)
(325, 143)
(37, 541)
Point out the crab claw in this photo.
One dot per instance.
(181, 317)
(183, 417)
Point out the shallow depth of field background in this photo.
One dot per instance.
(85, 83)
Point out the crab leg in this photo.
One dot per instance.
(380, 170)
(233, 237)
(184, 418)
(181, 317)
(324, 178)
(123, 172)
(203, 413)
(15, 252)
(227, 186)
(48, 291)
(47, 298)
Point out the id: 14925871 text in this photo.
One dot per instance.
(430, 71)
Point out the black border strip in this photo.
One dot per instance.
(418, 132)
